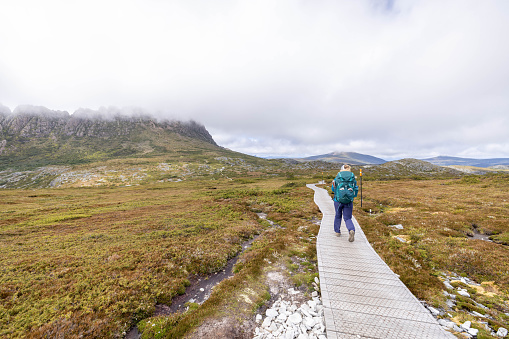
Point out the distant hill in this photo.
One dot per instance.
(36, 136)
(409, 168)
(350, 158)
(449, 161)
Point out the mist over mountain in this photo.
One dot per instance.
(37, 121)
(35, 135)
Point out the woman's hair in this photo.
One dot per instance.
(346, 167)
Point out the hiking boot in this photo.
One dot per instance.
(338, 234)
(352, 235)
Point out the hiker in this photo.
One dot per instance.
(344, 187)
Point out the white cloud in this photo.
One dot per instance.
(388, 78)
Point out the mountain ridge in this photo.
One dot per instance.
(32, 121)
(451, 161)
(351, 158)
(32, 136)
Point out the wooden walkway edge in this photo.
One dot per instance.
(362, 297)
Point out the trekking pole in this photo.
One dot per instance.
(361, 186)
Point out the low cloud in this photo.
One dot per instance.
(387, 78)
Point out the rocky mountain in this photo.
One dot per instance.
(351, 158)
(34, 136)
(485, 163)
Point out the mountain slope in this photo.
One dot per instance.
(36, 136)
(351, 158)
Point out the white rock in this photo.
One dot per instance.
(314, 294)
(273, 327)
(473, 331)
(446, 323)
(266, 322)
(457, 328)
(314, 314)
(290, 334)
(304, 312)
(278, 332)
(309, 322)
(448, 285)
(502, 332)
(282, 317)
(271, 313)
(317, 280)
(312, 305)
(481, 306)
(464, 293)
(466, 324)
(477, 314)
(433, 311)
(258, 318)
(202, 289)
(295, 318)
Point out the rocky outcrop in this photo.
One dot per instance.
(27, 122)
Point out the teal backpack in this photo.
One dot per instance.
(346, 187)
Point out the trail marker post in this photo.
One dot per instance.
(361, 185)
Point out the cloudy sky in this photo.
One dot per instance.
(389, 78)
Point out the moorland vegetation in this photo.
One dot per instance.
(439, 219)
(95, 261)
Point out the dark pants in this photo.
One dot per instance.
(343, 211)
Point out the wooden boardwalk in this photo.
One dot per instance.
(362, 297)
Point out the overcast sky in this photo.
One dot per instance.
(389, 78)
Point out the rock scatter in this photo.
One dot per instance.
(288, 318)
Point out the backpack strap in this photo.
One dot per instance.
(346, 179)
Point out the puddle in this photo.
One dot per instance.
(478, 235)
(201, 287)
(199, 290)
